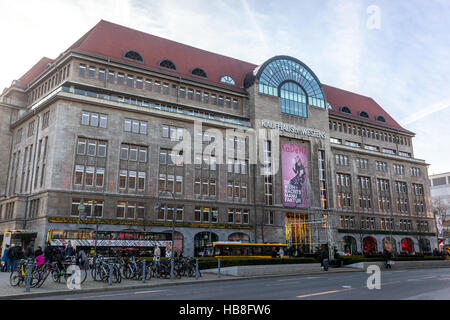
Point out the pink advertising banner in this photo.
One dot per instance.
(294, 162)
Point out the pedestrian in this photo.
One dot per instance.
(5, 260)
(10, 256)
(29, 252)
(156, 257)
(322, 256)
(17, 255)
(281, 253)
(83, 260)
(48, 253)
(69, 251)
(387, 257)
(274, 253)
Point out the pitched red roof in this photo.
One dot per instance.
(34, 72)
(110, 40)
(356, 103)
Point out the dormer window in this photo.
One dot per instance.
(227, 80)
(133, 55)
(329, 106)
(380, 118)
(168, 64)
(199, 72)
(364, 114)
(345, 109)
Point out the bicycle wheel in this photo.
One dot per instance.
(56, 276)
(148, 272)
(127, 273)
(35, 278)
(43, 276)
(14, 279)
(83, 275)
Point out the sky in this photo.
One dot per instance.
(397, 52)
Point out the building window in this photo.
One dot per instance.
(172, 132)
(94, 119)
(168, 64)
(93, 208)
(101, 74)
(415, 172)
(45, 119)
(135, 126)
(199, 73)
(82, 70)
(120, 78)
(365, 193)
(322, 180)
(133, 55)
(341, 160)
(381, 166)
(111, 76)
(293, 99)
(399, 169)
(362, 163)
(344, 191)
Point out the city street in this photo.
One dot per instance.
(428, 284)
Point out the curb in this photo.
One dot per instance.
(131, 287)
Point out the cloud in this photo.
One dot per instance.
(419, 115)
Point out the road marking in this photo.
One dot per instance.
(151, 291)
(297, 279)
(321, 293)
(113, 295)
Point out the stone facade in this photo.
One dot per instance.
(39, 172)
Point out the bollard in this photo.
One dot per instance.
(30, 266)
(110, 274)
(143, 271)
(218, 268)
(171, 269)
(196, 269)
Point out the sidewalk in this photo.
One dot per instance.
(7, 292)
(49, 287)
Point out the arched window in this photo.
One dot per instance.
(389, 244)
(201, 239)
(348, 244)
(228, 80)
(364, 114)
(407, 245)
(199, 72)
(345, 109)
(133, 55)
(380, 118)
(167, 64)
(293, 99)
(279, 70)
(369, 245)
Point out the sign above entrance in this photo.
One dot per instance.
(293, 129)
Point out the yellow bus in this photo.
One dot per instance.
(239, 249)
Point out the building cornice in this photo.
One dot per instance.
(378, 154)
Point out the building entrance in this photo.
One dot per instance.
(298, 231)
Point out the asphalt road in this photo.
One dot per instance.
(429, 284)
